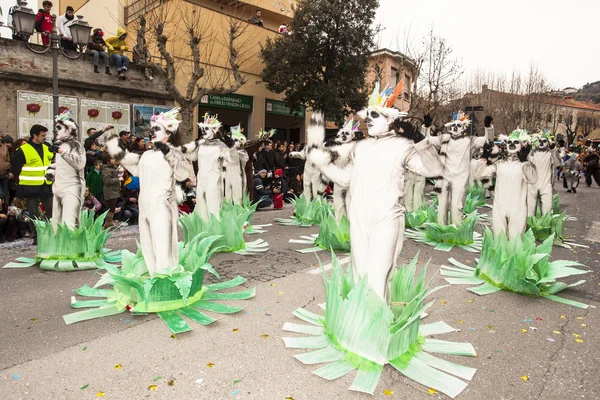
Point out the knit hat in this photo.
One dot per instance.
(8, 139)
(279, 172)
(262, 170)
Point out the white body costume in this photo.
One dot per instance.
(415, 184)
(340, 150)
(158, 173)
(512, 180)
(67, 174)
(235, 173)
(542, 188)
(455, 151)
(375, 176)
(211, 153)
(314, 181)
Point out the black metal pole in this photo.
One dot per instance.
(55, 45)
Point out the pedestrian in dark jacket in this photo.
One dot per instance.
(592, 167)
(112, 188)
(97, 48)
(279, 158)
(28, 167)
(262, 194)
(267, 160)
(7, 222)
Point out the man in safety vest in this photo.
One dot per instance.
(29, 165)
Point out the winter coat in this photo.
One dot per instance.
(97, 43)
(112, 184)
(116, 44)
(259, 189)
(297, 186)
(266, 161)
(92, 203)
(4, 159)
(279, 159)
(94, 181)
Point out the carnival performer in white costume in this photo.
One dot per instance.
(513, 176)
(546, 160)
(235, 174)
(340, 149)
(455, 151)
(375, 176)
(415, 184)
(315, 183)
(67, 173)
(159, 170)
(211, 153)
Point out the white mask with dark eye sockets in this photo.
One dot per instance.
(513, 146)
(159, 133)
(457, 129)
(543, 143)
(61, 132)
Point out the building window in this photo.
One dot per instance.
(560, 118)
(549, 118)
(406, 87)
(394, 77)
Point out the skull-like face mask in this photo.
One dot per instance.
(513, 146)
(344, 136)
(377, 123)
(457, 129)
(64, 130)
(238, 141)
(159, 133)
(209, 132)
(543, 143)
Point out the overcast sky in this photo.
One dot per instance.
(561, 37)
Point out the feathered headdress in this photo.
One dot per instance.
(547, 134)
(264, 135)
(66, 118)
(384, 101)
(210, 120)
(519, 134)
(167, 119)
(237, 131)
(459, 116)
(350, 125)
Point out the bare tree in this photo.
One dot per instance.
(197, 63)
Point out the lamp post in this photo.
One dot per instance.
(24, 21)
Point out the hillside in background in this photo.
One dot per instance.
(589, 92)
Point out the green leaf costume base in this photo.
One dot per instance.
(543, 226)
(445, 237)
(71, 249)
(307, 213)
(360, 331)
(518, 266)
(230, 227)
(171, 293)
(332, 236)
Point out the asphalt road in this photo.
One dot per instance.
(42, 358)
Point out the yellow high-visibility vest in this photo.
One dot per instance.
(34, 170)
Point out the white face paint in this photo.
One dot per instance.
(543, 143)
(456, 129)
(513, 146)
(159, 133)
(377, 123)
(63, 131)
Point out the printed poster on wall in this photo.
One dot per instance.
(36, 108)
(142, 114)
(98, 114)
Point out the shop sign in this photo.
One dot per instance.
(280, 108)
(228, 101)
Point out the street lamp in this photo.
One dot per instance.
(24, 22)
